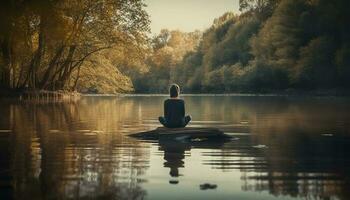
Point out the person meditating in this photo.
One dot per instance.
(174, 110)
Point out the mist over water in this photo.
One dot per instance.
(282, 148)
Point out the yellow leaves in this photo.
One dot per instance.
(224, 19)
(101, 76)
(57, 27)
(177, 44)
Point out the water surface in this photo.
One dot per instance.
(282, 148)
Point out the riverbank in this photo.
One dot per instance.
(289, 92)
(39, 95)
(43, 95)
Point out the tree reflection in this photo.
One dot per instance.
(307, 168)
(307, 143)
(60, 153)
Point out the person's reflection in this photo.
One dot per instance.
(174, 153)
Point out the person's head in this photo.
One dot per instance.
(174, 90)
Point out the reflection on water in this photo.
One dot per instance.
(174, 153)
(282, 148)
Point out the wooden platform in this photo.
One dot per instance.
(181, 133)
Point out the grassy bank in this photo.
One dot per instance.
(39, 95)
(289, 92)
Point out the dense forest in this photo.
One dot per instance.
(273, 45)
(104, 46)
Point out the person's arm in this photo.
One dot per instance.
(183, 109)
(165, 109)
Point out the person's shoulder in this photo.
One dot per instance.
(173, 100)
(180, 101)
(166, 101)
(176, 99)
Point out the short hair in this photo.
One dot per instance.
(174, 90)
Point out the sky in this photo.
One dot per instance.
(187, 15)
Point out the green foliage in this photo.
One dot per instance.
(224, 44)
(342, 60)
(262, 9)
(168, 50)
(315, 66)
(273, 45)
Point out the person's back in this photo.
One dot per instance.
(174, 110)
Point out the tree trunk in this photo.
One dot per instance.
(66, 68)
(32, 77)
(48, 73)
(6, 69)
(77, 79)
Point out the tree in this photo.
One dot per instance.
(263, 9)
(59, 36)
(316, 61)
(168, 50)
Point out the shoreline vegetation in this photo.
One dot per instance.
(301, 93)
(40, 95)
(43, 95)
(316, 93)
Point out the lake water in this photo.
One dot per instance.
(282, 148)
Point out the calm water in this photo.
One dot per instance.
(283, 148)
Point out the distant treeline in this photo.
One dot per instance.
(272, 45)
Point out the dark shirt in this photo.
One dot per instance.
(174, 111)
